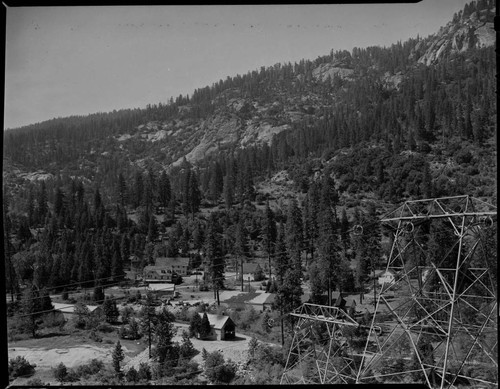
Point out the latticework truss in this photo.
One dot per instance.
(320, 352)
(440, 313)
(436, 323)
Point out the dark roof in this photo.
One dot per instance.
(156, 269)
(248, 268)
(217, 321)
(172, 261)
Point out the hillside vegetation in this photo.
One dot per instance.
(275, 165)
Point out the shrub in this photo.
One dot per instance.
(95, 336)
(144, 372)
(61, 372)
(19, 366)
(91, 368)
(463, 157)
(126, 313)
(105, 327)
(217, 370)
(132, 375)
(203, 287)
(35, 382)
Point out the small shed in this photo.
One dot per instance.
(249, 270)
(387, 277)
(68, 310)
(223, 328)
(162, 289)
(263, 301)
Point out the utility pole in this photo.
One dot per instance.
(241, 274)
(282, 333)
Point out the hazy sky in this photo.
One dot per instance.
(63, 61)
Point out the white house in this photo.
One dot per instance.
(387, 277)
(161, 289)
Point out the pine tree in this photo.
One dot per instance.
(122, 190)
(59, 202)
(269, 234)
(42, 206)
(164, 190)
(228, 191)
(110, 310)
(240, 246)
(282, 260)
(344, 230)
(138, 190)
(329, 259)
(165, 331)
(290, 291)
(195, 325)
(152, 229)
(186, 350)
(294, 232)
(118, 356)
(30, 308)
(265, 322)
(205, 328)
(117, 267)
(214, 256)
(148, 318)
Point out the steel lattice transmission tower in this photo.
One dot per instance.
(436, 323)
(320, 352)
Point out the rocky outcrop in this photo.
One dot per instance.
(329, 70)
(456, 37)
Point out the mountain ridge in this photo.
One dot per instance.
(336, 101)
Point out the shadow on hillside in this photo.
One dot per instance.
(51, 335)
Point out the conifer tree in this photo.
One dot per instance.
(282, 260)
(110, 310)
(205, 327)
(195, 325)
(240, 246)
(164, 190)
(329, 259)
(165, 331)
(152, 229)
(122, 190)
(269, 234)
(294, 232)
(118, 356)
(148, 318)
(213, 253)
(31, 308)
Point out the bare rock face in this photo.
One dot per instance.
(457, 37)
(326, 70)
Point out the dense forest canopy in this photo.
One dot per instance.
(378, 124)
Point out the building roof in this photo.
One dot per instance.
(70, 308)
(216, 321)
(263, 298)
(172, 261)
(157, 269)
(248, 268)
(161, 287)
(376, 273)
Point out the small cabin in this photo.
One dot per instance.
(223, 328)
(387, 277)
(68, 310)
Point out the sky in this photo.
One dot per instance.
(77, 60)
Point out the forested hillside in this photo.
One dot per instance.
(283, 161)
